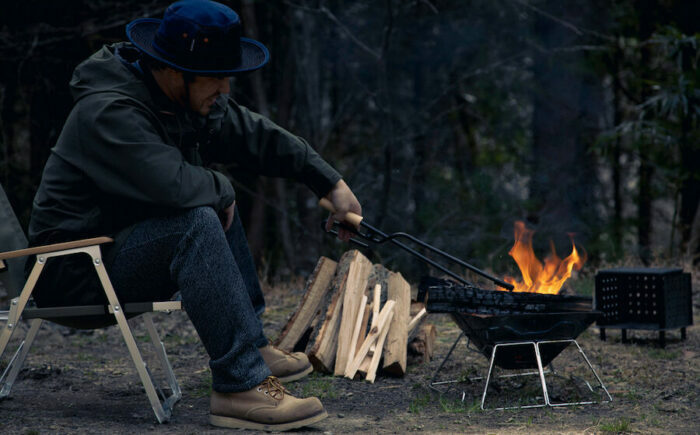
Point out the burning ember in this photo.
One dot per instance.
(539, 278)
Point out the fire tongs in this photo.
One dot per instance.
(374, 235)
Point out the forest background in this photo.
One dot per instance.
(450, 120)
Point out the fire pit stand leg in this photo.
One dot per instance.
(590, 366)
(433, 383)
(540, 372)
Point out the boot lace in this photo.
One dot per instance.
(274, 388)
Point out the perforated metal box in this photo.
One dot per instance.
(644, 298)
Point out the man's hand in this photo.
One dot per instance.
(226, 216)
(343, 201)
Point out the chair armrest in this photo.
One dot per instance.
(55, 247)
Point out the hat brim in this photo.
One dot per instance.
(141, 32)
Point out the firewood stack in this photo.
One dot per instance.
(354, 315)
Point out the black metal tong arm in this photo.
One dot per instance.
(377, 236)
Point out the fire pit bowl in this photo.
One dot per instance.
(485, 331)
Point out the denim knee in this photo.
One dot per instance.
(203, 217)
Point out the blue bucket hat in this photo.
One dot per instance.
(202, 37)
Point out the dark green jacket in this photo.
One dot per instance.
(127, 153)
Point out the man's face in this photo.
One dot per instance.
(205, 90)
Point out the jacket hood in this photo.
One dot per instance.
(110, 70)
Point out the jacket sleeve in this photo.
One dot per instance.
(121, 151)
(252, 141)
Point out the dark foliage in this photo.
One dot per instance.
(449, 119)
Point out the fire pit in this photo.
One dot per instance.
(490, 317)
(515, 331)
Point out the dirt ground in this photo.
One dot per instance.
(84, 382)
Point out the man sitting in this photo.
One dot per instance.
(148, 116)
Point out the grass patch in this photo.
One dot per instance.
(81, 356)
(663, 354)
(620, 425)
(203, 389)
(633, 396)
(419, 403)
(319, 386)
(179, 340)
(451, 405)
(475, 406)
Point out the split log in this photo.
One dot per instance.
(374, 364)
(423, 344)
(355, 284)
(416, 307)
(416, 320)
(323, 340)
(377, 295)
(358, 328)
(317, 286)
(394, 352)
(363, 327)
(376, 301)
(371, 338)
(364, 367)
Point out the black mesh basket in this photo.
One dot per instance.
(644, 298)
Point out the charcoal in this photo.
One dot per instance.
(447, 296)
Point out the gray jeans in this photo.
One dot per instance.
(216, 277)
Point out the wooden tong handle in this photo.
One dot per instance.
(350, 217)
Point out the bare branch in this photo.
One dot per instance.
(564, 23)
(342, 27)
(430, 5)
(325, 11)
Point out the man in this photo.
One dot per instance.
(129, 163)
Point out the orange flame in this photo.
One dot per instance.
(538, 278)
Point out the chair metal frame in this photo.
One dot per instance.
(161, 403)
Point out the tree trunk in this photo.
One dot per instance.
(563, 179)
(617, 225)
(646, 170)
(690, 187)
(644, 200)
(260, 98)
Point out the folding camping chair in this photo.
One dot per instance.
(22, 308)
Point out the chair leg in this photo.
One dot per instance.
(15, 365)
(163, 413)
(159, 347)
(16, 307)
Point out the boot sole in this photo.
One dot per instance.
(235, 423)
(296, 376)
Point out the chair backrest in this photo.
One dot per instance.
(12, 237)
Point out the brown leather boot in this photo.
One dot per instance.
(286, 366)
(269, 406)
